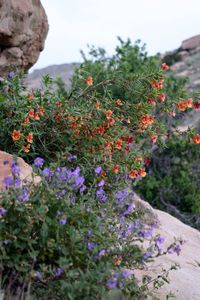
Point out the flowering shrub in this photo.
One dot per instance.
(65, 240)
(77, 234)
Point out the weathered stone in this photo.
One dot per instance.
(191, 43)
(23, 29)
(184, 282)
(26, 172)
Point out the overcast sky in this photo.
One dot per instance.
(161, 24)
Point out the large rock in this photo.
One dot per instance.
(184, 282)
(191, 43)
(23, 30)
(26, 172)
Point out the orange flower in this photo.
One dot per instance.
(181, 105)
(26, 120)
(145, 121)
(151, 101)
(97, 105)
(161, 97)
(197, 105)
(101, 130)
(111, 121)
(108, 114)
(41, 111)
(30, 97)
(172, 113)
(89, 80)
(189, 103)
(133, 174)
(142, 172)
(31, 113)
(157, 84)
(117, 260)
(139, 159)
(196, 139)
(154, 138)
(115, 169)
(165, 67)
(118, 102)
(118, 144)
(58, 104)
(16, 135)
(103, 173)
(26, 148)
(29, 138)
(37, 117)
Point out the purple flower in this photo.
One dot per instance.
(101, 183)
(63, 221)
(17, 182)
(58, 272)
(79, 181)
(158, 241)
(111, 283)
(101, 195)
(90, 246)
(129, 210)
(38, 162)
(11, 75)
(127, 273)
(98, 170)
(71, 158)
(24, 196)
(5, 162)
(147, 255)
(8, 181)
(175, 249)
(15, 170)
(3, 211)
(38, 275)
(47, 172)
(6, 242)
(83, 188)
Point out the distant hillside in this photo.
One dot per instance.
(185, 62)
(65, 71)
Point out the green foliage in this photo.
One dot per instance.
(173, 183)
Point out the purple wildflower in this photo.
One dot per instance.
(111, 283)
(3, 211)
(71, 158)
(90, 246)
(24, 196)
(38, 162)
(38, 275)
(129, 210)
(5, 162)
(98, 170)
(63, 221)
(58, 272)
(175, 249)
(101, 183)
(79, 181)
(101, 195)
(83, 188)
(147, 255)
(47, 172)
(8, 181)
(15, 170)
(127, 273)
(11, 75)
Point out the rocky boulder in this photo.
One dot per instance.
(184, 282)
(26, 172)
(191, 43)
(23, 30)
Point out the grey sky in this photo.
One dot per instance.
(161, 24)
